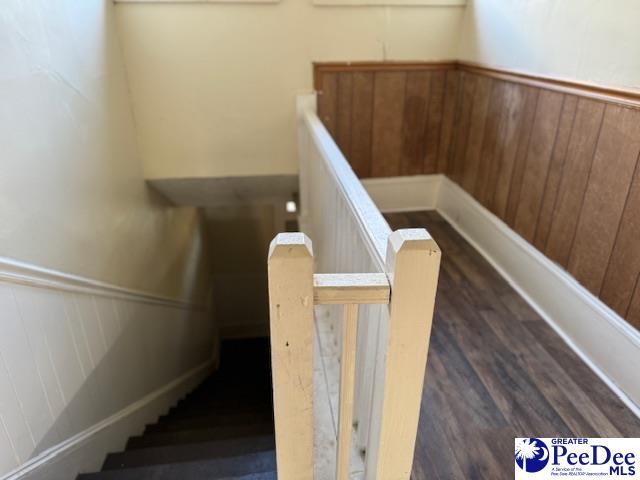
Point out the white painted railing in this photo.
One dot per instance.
(384, 326)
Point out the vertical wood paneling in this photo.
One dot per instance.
(613, 166)
(524, 136)
(543, 135)
(361, 120)
(388, 111)
(529, 154)
(555, 171)
(633, 315)
(575, 174)
(488, 165)
(328, 102)
(416, 111)
(451, 99)
(434, 121)
(476, 132)
(624, 266)
(515, 102)
(463, 121)
(343, 113)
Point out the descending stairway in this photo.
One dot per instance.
(222, 430)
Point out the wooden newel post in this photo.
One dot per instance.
(413, 262)
(291, 323)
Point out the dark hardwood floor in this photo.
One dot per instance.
(497, 371)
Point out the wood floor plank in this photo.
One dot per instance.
(555, 171)
(434, 122)
(451, 99)
(543, 136)
(573, 183)
(361, 124)
(611, 406)
(388, 111)
(416, 110)
(607, 189)
(623, 271)
(517, 376)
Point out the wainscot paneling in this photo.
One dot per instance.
(556, 161)
(77, 357)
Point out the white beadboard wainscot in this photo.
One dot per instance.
(84, 365)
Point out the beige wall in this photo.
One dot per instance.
(595, 41)
(72, 195)
(214, 85)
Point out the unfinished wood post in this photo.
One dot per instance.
(413, 262)
(347, 385)
(291, 323)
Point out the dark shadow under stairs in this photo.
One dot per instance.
(223, 430)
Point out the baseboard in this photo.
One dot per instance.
(605, 341)
(404, 194)
(85, 451)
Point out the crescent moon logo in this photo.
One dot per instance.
(545, 455)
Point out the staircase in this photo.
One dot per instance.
(222, 430)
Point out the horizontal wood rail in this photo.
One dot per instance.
(350, 288)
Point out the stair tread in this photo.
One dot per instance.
(200, 435)
(199, 411)
(188, 452)
(236, 466)
(210, 420)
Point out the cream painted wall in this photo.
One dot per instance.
(72, 194)
(214, 85)
(594, 41)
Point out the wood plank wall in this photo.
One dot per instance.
(557, 161)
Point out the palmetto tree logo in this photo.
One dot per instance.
(532, 455)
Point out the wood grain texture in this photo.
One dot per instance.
(613, 166)
(540, 154)
(524, 137)
(477, 123)
(435, 106)
(516, 373)
(573, 184)
(555, 171)
(447, 130)
(328, 102)
(623, 271)
(416, 112)
(510, 120)
(483, 189)
(633, 314)
(343, 114)
(362, 123)
(463, 121)
(543, 135)
(388, 111)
